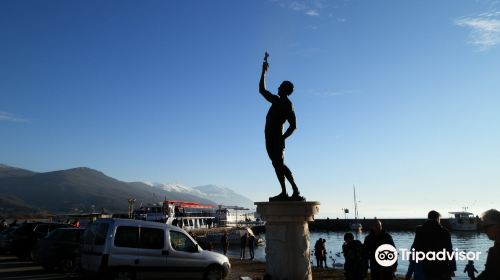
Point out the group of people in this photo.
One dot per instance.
(359, 257)
(320, 252)
(247, 239)
(429, 237)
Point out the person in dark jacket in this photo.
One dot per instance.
(433, 237)
(376, 238)
(251, 244)
(491, 224)
(414, 270)
(323, 245)
(225, 243)
(243, 245)
(354, 265)
(319, 252)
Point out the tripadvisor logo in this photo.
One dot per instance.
(386, 255)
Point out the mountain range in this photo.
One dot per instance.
(83, 190)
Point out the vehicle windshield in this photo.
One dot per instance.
(95, 234)
(181, 242)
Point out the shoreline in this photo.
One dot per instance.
(256, 270)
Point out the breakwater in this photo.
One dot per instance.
(388, 224)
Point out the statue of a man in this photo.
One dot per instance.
(281, 111)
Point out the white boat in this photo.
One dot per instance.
(227, 216)
(463, 221)
(188, 215)
(355, 225)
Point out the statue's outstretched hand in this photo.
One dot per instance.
(265, 66)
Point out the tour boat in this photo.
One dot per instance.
(463, 221)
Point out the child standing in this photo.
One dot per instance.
(471, 270)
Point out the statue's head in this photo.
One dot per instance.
(285, 89)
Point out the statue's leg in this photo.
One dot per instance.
(289, 177)
(275, 152)
(280, 173)
(296, 194)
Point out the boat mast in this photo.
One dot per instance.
(355, 204)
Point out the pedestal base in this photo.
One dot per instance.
(287, 238)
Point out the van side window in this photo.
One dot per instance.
(152, 238)
(127, 237)
(180, 242)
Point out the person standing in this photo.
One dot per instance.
(433, 237)
(414, 270)
(243, 245)
(373, 240)
(491, 225)
(225, 243)
(323, 245)
(470, 270)
(318, 252)
(251, 243)
(354, 265)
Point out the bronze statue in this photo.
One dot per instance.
(281, 111)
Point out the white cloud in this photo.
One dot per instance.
(311, 8)
(297, 6)
(8, 117)
(485, 29)
(312, 13)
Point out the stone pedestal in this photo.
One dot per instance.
(287, 238)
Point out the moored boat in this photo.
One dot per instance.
(463, 221)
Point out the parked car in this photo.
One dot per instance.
(60, 249)
(22, 241)
(129, 249)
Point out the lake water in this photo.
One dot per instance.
(463, 241)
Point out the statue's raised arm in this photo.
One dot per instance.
(262, 84)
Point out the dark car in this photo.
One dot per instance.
(60, 249)
(22, 241)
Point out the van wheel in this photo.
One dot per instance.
(124, 275)
(214, 272)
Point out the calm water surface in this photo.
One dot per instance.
(463, 241)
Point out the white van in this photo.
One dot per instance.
(135, 249)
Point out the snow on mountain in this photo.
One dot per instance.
(224, 196)
(218, 194)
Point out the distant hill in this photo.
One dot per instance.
(75, 190)
(9, 171)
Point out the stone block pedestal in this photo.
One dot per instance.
(287, 238)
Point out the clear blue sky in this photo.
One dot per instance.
(400, 98)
